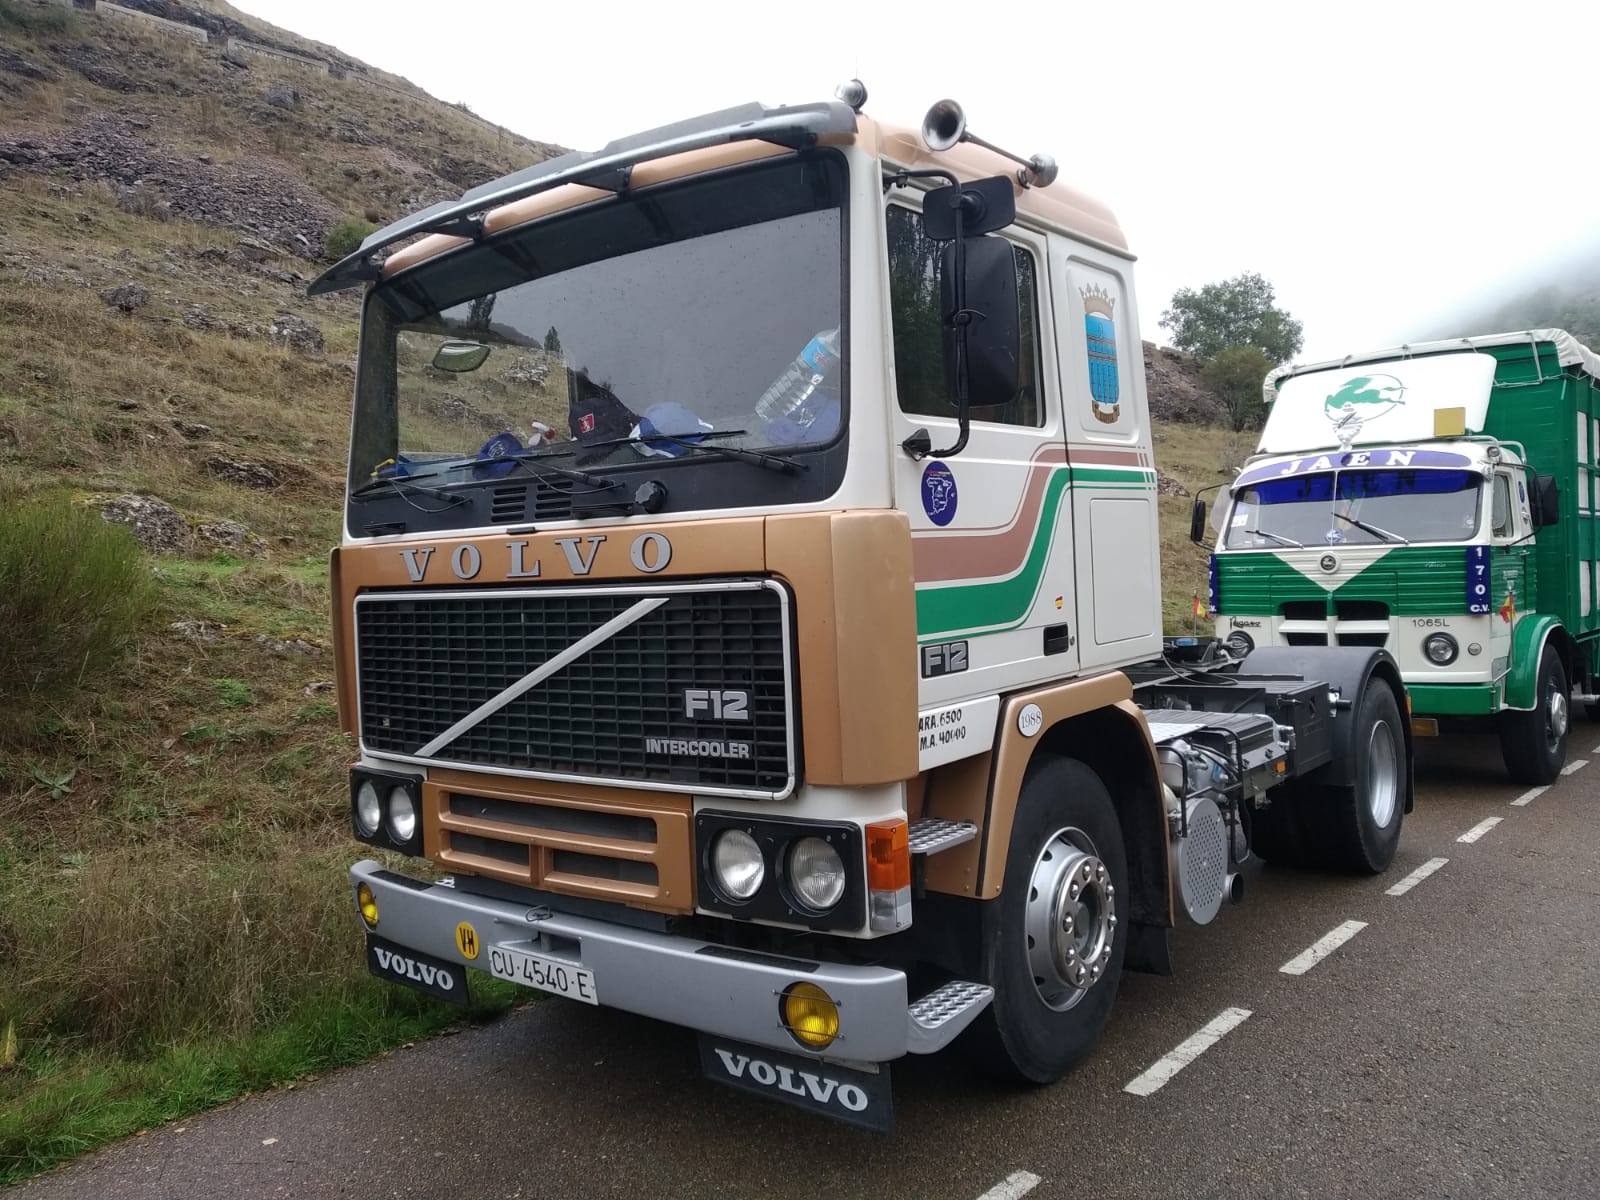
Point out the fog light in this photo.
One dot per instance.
(737, 864)
(369, 808)
(402, 815)
(368, 904)
(810, 1014)
(1474, 649)
(1441, 649)
(816, 873)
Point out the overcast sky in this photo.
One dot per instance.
(1378, 162)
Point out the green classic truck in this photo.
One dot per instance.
(1441, 501)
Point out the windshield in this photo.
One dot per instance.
(665, 333)
(1356, 508)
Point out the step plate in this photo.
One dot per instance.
(933, 1021)
(929, 835)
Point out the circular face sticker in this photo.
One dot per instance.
(467, 940)
(939, 493)
(1030, 720)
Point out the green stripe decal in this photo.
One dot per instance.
(1004, 604)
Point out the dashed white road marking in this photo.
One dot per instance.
(1530, 795)
(1478, 830)
(1322, 947)
(1596, 750)
(1576, 764)
(1416, 877)
(1018, 1183)
(1191, 1048)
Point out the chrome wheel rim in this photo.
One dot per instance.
(1071, 919)
(1383, 774)
(1555, 711)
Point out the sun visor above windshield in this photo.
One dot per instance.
(1379, 402)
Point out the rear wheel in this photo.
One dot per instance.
(1534, 743)
(1352, 827)
(1055, 939)
(1365, 817)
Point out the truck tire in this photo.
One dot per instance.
(1534, 743)
(1353, 827)
(1054, 940)
(1363, 820)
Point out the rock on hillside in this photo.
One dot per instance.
(1176, 390)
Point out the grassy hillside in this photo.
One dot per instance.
(174, 926)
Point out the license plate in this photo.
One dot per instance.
(546, 974)
(859, 1098)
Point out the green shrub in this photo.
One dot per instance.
(346, 237)
(74, 593)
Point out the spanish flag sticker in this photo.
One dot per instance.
(1508, 610)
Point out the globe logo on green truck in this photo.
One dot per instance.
(1360, 400)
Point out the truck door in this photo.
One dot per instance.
(1509, 524)
(991, 526)
(1107, 426)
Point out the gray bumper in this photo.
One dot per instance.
(677, 979)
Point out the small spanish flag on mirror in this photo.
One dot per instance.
(1199, 608)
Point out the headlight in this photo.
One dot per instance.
(402, 815)
(369, 808)
(1239, 643)
(737, 864)
(1440, 648)
(816, 873)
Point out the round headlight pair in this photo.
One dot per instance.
(402, 811)
(813, 869)
(1441, 649)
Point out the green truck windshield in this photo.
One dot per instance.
(1356, 508)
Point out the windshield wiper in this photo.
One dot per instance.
(1373, 529)
(697, 441)
(1277, 537)
(544, 469)
(405, 489)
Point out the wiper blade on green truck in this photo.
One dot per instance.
(1376, 532)
(1277, 537)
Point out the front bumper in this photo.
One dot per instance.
(699, 985)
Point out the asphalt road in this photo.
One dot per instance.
(1449, 1048)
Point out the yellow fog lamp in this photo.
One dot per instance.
(810, 1014)
(368, 904)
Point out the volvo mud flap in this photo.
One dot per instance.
(853, 1095)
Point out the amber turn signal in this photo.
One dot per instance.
(888, 856)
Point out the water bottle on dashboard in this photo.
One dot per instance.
(801, 378)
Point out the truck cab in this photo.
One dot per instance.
(1434, 501)
(748, 610)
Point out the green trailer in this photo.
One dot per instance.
(1442, 501)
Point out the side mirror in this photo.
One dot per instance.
(1197, 523)
(459, 357)
(986, 205)
(993, 321)
(1546, 501)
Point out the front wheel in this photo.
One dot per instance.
(1054, 940)
(1534, 743)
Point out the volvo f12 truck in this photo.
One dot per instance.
(1435, 500)
(748, 610)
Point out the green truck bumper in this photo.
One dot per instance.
(1453, 699)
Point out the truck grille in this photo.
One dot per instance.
(608, 846)
(426, 661)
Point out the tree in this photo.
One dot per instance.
(1236, 312)
(552, 341)
(1236, 374)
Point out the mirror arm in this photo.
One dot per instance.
(959, 320)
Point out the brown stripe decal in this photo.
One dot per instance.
(984, 553)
